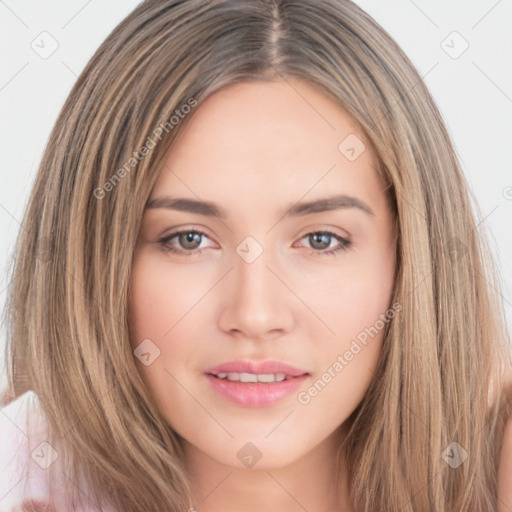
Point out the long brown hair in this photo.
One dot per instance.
(441, 375)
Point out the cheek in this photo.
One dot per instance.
(160, 298)
(360, 304)
(356, 305)
(352, 297)
(165, 307)
(348, 359)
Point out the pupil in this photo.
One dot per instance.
(189, 237)
(325, 241)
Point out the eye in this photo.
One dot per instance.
(322, 239)
(190, 241)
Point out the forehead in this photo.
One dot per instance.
(267, 140)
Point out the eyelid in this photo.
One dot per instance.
(187, 229)
(319, 229)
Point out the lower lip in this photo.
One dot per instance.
(255, 394)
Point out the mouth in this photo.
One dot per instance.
(262, 378)
(248, 389)
(255, 371)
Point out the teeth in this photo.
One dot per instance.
(248, 377)
(266, 378)
(251, 377)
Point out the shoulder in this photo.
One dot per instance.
(22, 431)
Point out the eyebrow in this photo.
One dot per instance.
(210, 209)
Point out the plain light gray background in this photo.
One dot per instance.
(472, 87)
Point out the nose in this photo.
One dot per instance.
(257, 304)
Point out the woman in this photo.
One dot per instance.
(332, 342)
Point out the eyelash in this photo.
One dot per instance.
(345, 243)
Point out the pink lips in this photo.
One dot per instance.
(256, 368)
(256, 394)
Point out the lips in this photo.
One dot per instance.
(275, 382)
(257, 368)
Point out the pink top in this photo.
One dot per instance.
(25, 457)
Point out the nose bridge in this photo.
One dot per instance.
(256, 300)
(254, 281)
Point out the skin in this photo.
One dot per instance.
(255, 149)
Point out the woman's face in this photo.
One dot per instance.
(269, 270)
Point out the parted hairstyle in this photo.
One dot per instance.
(441, 374)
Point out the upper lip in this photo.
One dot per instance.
(267, 367)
